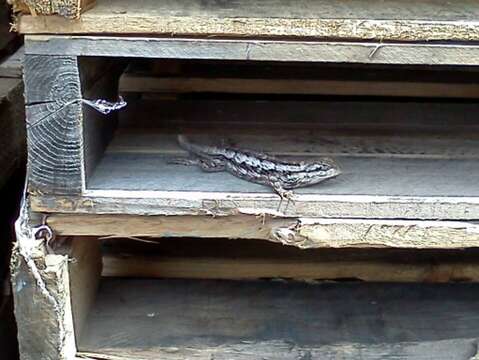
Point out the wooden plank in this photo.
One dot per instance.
(286, 320)
(223, 204)
(69, 9)
(254, 259)
(255, 50)
(84, 272)
(44, 323)
(441, 350)
(146, 84)
(244, 269)
(373, 176)
(54, 116)
(304, 233)
(371, 19)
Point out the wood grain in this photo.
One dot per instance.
(256, 50)
(44, 327)
(54, 116)
(304, 233)
(178, 319)
(366, 20)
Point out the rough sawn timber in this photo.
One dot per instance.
(256, 50)
(50, 319)
(302, 233)
(357, 20)
(54, 116)
(193, 258)
(45, 323)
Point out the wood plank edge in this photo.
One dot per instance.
(138, 266)
(304, 233)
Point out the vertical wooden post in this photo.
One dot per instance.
(53, 294)
(54, 119)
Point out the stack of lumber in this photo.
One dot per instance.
(388, 88)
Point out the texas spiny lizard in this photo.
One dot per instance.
(282, 175)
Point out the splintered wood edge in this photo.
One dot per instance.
(255, 50)
(304, 233)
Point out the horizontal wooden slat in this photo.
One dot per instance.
(254, 259)
(280, 320)
(302, 233)
(256, 50)
(175, 85)
(364, 20)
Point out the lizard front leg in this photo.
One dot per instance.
(282, 193)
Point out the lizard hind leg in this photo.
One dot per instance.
(283, 194)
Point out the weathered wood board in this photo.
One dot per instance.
(417, 162)
(256, 50)
(53, 293)
(178, 85)
(193, 258)
(305, 233)
(358, 20)
(280, 320)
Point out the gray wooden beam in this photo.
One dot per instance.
(255, 50)
(54, 117)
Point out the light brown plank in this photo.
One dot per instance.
(370, 19)
(145, 84)
(131, 265)
(255, 259)
(302, 233)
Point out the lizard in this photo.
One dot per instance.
(281, 175)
